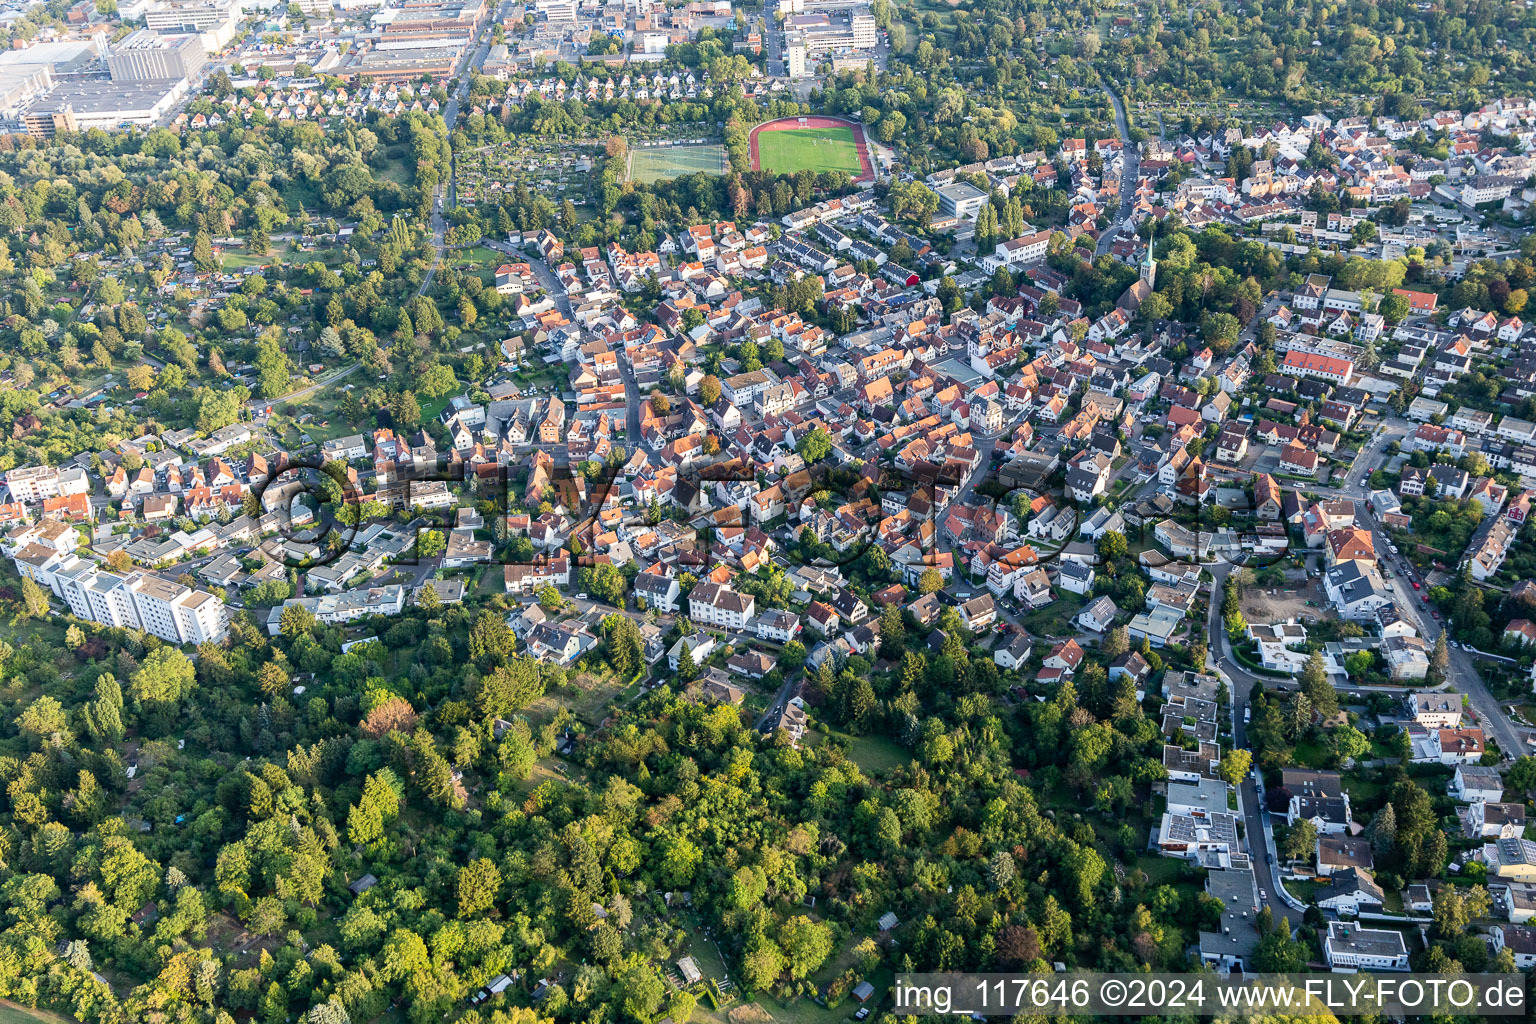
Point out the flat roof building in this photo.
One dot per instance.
(961, 199)
(77, 106)
(151, 56)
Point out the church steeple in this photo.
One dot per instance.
(1149, 265)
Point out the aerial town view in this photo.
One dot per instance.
(665, 511)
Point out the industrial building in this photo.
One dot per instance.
(77, 106)
(146, 56)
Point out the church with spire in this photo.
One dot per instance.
(1146, 280)
(1149, 264)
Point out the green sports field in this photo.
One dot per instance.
(658, 163)
(809, 149)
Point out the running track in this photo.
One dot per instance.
(867, 169)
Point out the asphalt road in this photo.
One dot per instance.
(1463, 676)
(1130, 174)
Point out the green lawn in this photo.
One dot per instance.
(236, 260)
(478, 254)
(877, 754)
(10, 1013)
(809, 149)
(1312, 754)
(1363, 792)
(1055, 619)
(804, 1010)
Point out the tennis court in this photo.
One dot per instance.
(658, 163)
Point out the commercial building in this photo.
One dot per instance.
(961, 199)
(831, 32)
(150, 56)
(216, 21)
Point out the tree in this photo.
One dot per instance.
(1393, 307)
(1350, 743)
(1359, 664)
(43, 719)
(623, 644)
(814, 446)
(1117, 642)
(1300, 841)
(330, 1012)
(893, 632)
(1314, 683)
(1155, 307)
(104, 715)
(165, 677)
(296, 620)
(271, 368)
(202, 253)
(427, 599)
(1521, 777)
(34, 599)
(476, 886)
(508, 688)
(930, 581)
(1112, 545)
(1382, 831)
(709, 390)
(1440, 661)
(1278, 953)
(806, 944)
(687, 669)
(1235, 764)
(1220, 331)
(762, 964)
(1450, 912)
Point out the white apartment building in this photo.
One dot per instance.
(138, 600)
(1017, 251)
(32, 484)
(779, 625)
(714, 604)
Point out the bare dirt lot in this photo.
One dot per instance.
(1277, 604)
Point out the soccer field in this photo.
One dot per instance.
(658, 163)
(809, 149)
